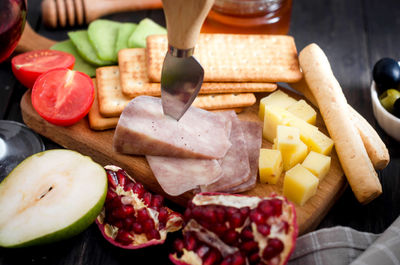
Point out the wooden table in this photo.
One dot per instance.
(353, 34)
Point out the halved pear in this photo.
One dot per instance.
(50, 196)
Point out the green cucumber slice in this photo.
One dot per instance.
(81, 41)
(124, 32)
(103, 35)
(145, 28)
(80, 64)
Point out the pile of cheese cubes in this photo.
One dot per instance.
(299, 148)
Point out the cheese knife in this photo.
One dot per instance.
(182, 75)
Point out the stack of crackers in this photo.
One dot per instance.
(235, 67)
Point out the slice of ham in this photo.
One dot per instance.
(235, 165)
(178, 175)
(143, 129)
(253, 136)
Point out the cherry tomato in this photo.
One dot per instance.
(63, 96)
(29, 65)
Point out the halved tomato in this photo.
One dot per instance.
(29, 65)
(63, 96)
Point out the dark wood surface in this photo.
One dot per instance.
(353, 34)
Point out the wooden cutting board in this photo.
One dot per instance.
(98, 145)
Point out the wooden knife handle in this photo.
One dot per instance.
(184, 19)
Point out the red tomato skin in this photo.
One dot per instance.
(41, 94)
(28, 75)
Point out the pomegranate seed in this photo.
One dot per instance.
(121, 177)
(277, 206)
(157, 201)
(245, 211)
(138, 189)
(128, 222)
(147, 198)
(179, 245)
(202, 251)
(209, 216)
(219, 229)
(142, 215)
(274, 248)
(231, 237)
(137, 228)
(123, 212)
(153, 234)
(110, 195)
(247, 233)
(124, 237)
(256, 216)
(118, 224)
(163, 215)
(231, 211)
(264, 229)
(236, 220)
(254, 258)
(220, 214)
(112, 178)
(285, 227)
(115, 203)
(187, 214)
(190, 242)
(129, 186)
(249, 246)
(148, 225)
(197, 213)
(267, 208)
(211, 258)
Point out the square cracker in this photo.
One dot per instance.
(112, 101)
(135, 82)
(234, 57)
(96, 120)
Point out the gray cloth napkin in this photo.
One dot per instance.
(343, 245)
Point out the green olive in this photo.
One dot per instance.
(388, 98)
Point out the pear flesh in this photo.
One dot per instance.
(50, 196)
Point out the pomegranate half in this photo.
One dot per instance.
(234, 229)
(133, 217)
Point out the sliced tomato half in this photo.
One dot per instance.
(29, 65)
(63, 96)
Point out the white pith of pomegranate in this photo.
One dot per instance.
(232, 229)
(133, 217)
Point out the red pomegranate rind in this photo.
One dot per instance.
(132, 217)
(240, 229)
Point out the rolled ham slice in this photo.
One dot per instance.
(253, 137)
(178, 175)
(143, 129)
(235, 165)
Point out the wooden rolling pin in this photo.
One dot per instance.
(62, 13)
(332, 103)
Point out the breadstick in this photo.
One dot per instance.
(352, 154)
(376, 148)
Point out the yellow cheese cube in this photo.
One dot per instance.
(299, 184)
(304, 111)
(277, 98)
(318, 164)
(290, 159)
(287, 138)
(270, 165)
(309, 134)
(273, 118)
